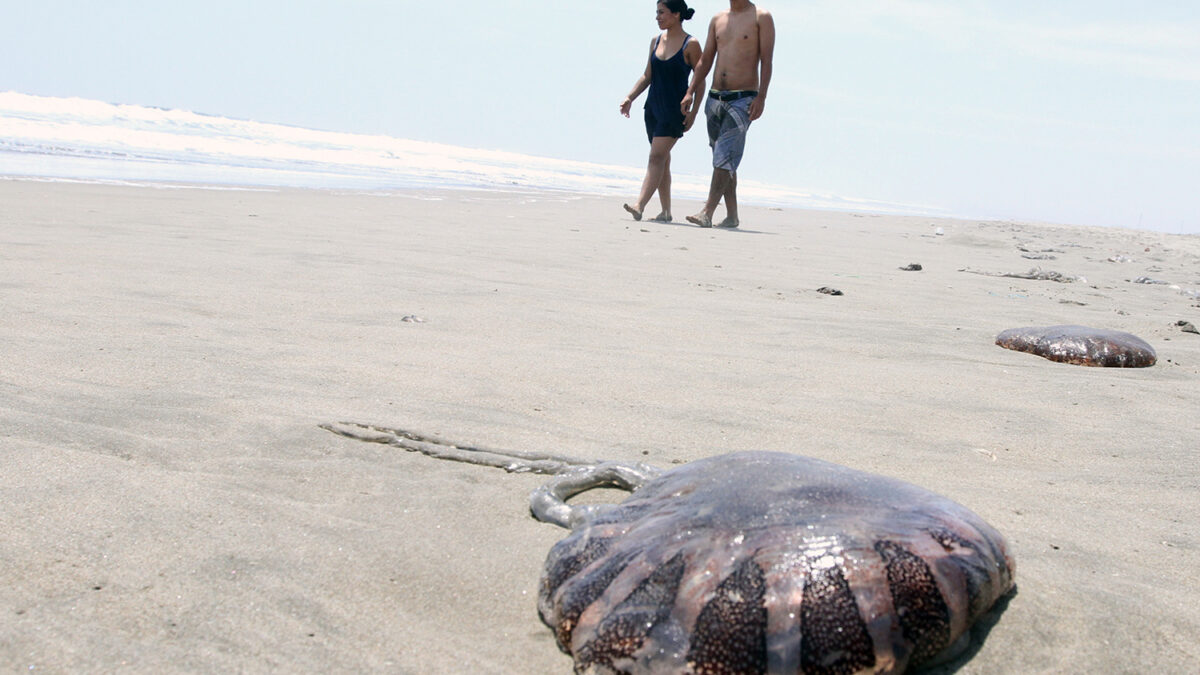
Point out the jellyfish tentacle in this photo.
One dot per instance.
(549, 502)
(512, 461)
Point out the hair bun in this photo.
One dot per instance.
(689, 13)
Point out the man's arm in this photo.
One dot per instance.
(766, 57)
(700, 72)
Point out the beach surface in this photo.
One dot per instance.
(169, 502)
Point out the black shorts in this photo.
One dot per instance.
(665, 123)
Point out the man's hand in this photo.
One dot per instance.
(688, 120)
(756, 107)
(626, 105)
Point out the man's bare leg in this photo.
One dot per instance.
(731, 206)
(660, 159)
(716, 190)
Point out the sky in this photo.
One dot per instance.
(1070, 112)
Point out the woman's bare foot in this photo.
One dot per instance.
(663, 217)
(637, 215)
(702, 219)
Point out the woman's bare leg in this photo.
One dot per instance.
(664, 193)
(660, 160)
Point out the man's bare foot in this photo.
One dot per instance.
(663, 217)
(729, 222)
(702, 219)
(637, 215)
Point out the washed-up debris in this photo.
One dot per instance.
(829, 291)
(412, 318)
(1148, 280)
(1036, 274)
(912, 267)
(1187, 327)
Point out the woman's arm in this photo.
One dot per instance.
(692, 54)
(639, 86)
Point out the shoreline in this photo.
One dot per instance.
(845, 205)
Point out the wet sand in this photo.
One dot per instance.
(169, 502)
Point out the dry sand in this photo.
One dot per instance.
(168, 502)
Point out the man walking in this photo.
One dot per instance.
(741, 41)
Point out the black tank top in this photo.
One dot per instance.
(668, 80)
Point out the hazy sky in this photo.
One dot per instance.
(1070, 111)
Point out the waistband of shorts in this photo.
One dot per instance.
(731, 95)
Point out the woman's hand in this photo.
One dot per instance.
(625, 105)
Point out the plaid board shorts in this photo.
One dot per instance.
(728, 122)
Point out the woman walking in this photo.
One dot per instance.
(673, 55)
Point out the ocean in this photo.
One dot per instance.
(76, 139)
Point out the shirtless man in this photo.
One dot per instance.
(741, 41)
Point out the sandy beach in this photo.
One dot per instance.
(169, 503)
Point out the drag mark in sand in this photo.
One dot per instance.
(1081, 345)
(749, 562)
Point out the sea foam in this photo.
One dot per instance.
(82, 139)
